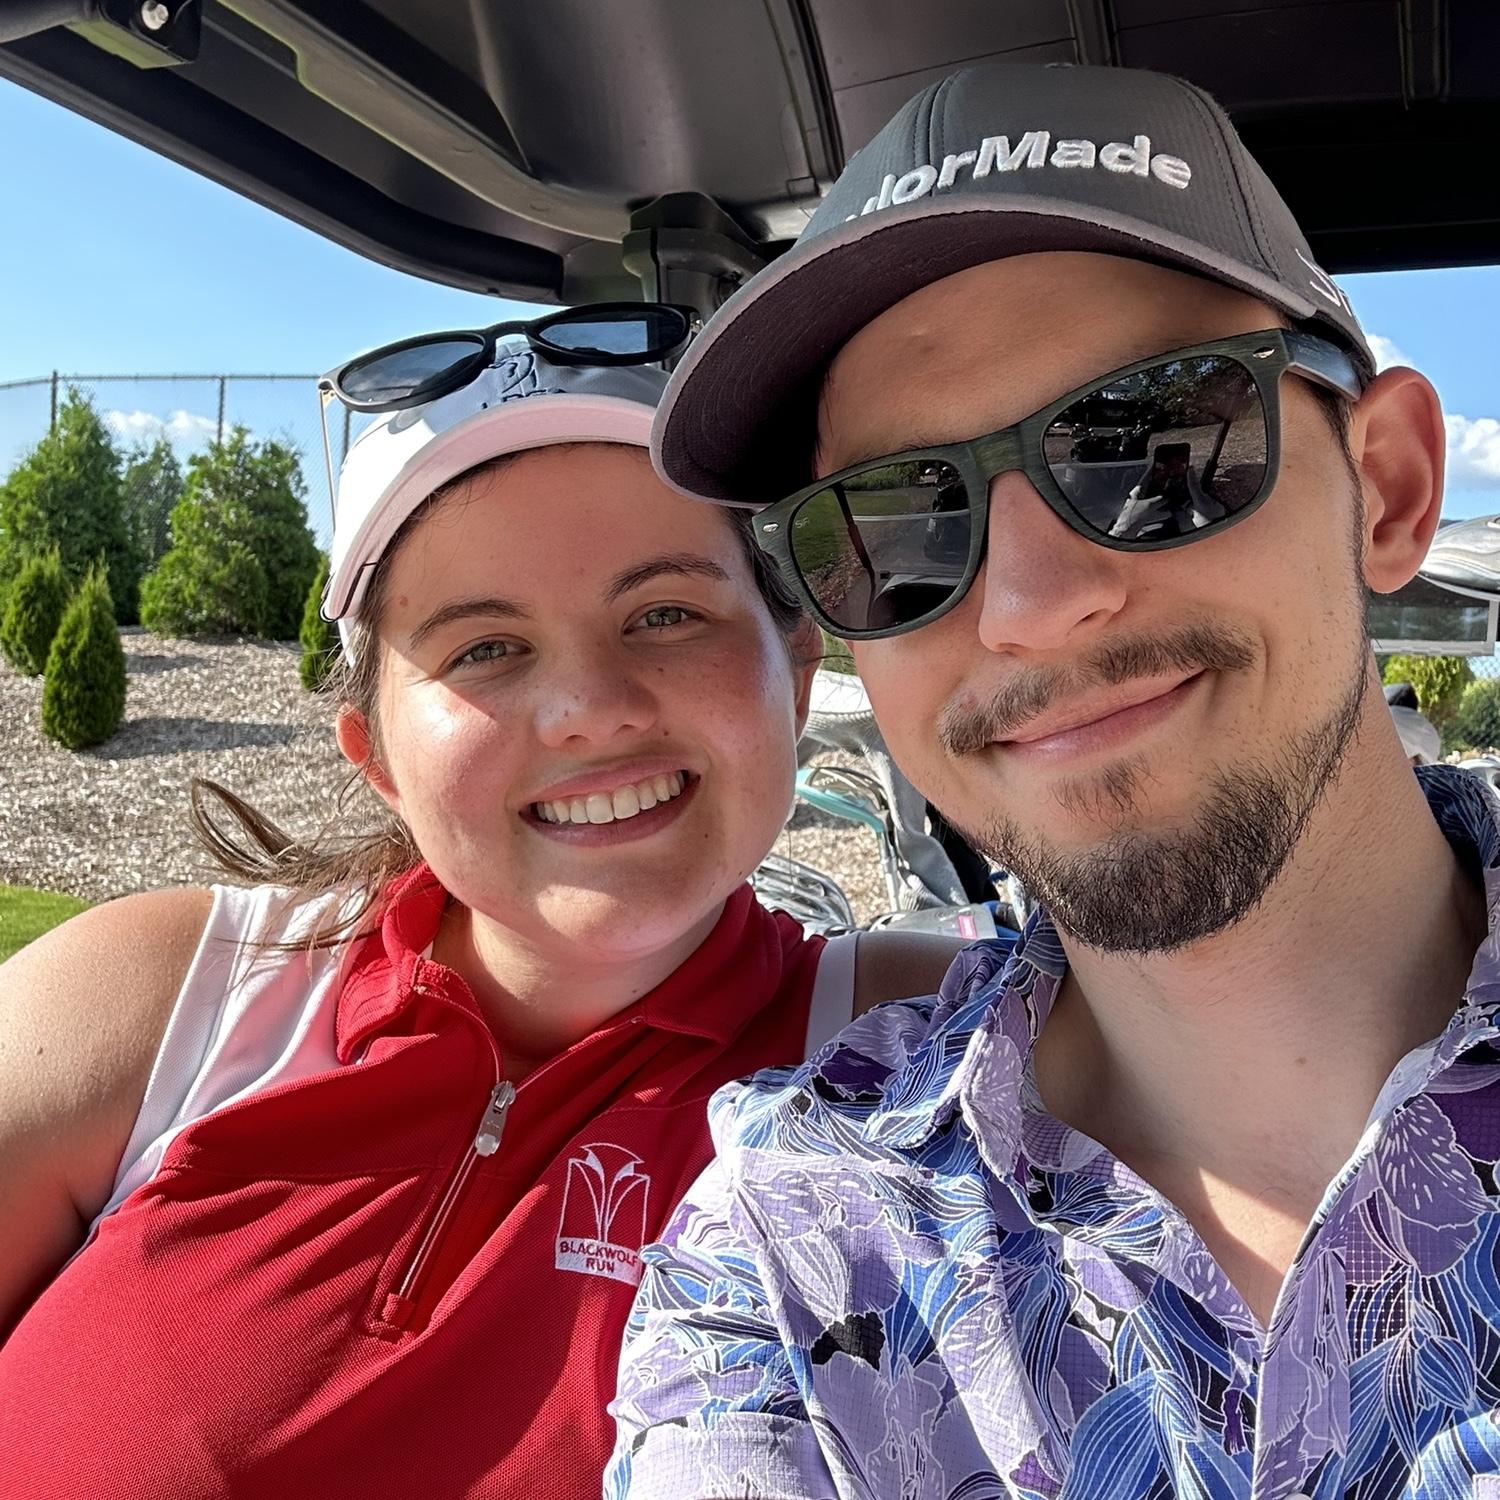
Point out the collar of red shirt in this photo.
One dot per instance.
(725, 982)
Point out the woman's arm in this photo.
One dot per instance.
(82, 1012)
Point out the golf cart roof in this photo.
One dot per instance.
(506, 148)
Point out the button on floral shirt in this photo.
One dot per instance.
(904, 1279)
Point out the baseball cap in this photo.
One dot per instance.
(996, 160)
(521, 401)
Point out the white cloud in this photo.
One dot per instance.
(180, 426)
(1385, 351)
(1473, 452)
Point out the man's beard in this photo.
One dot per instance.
(1142, 892)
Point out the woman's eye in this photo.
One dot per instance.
(664, 615)
(485, 651)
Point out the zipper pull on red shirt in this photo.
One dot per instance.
(492, 1126)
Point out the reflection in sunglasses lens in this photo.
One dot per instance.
(638, 332)
(886, 545)
(389, 377)
(1162, 453)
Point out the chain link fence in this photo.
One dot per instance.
(189, 412)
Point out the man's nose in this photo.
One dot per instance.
(592, 696)
(1041, 585)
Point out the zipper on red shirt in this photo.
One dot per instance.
(399, 1306)
(402, 1303)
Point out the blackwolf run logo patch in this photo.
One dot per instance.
(603, 1214)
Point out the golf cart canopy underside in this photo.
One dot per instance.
(505, 147)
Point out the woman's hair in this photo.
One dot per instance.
(248, 845)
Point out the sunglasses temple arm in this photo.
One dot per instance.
(325, 398)
(856, 540)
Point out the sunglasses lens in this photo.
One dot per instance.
(402, 373)
(1163, 453)
(886, 546)
(646, 332)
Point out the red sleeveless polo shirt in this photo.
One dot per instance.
(367, 1282)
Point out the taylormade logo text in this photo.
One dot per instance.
(1034, 149)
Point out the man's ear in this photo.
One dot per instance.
(1398, 443)
(806, 646)
(353, 736)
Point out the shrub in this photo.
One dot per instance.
(320, 642)
(83, 698)
(1476, 725)
(245, 494)
(1440, 682)
(214, 587)
(66, 493)
(151, 486)
(33, 611)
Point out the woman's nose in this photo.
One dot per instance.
(593, 696)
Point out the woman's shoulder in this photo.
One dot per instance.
(894, 965)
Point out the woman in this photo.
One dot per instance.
(360, 1161)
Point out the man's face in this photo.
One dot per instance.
(1140, 737)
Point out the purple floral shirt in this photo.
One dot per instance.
(903, 1279)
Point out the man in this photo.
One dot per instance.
(1419, 737)
(1196, 1194)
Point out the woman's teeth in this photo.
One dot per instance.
(611, 807)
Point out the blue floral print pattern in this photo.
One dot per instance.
(903, 1280)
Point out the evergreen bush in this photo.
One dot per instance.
(1476, 725)
(33, 610)
(213, 586)
(83, 697)
(66, 493)
(1440, 682)
(151, 486)
(320, 641)
(247, 495)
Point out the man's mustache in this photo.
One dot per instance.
(1190, 648)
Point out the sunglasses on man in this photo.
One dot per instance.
(1156, 454)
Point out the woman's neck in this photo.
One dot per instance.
(541, 999)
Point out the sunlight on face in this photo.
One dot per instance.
(588, 717)
(1114, 726)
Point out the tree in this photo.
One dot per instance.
(320, 642)
(33, 610)
(1439, 680)
(151, 486)
(83, 697)
(210, 585)
(240, 498)
(66, 493)
(1476, 725)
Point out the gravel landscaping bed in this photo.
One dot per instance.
(107, 821)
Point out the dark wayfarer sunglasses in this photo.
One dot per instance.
(421, 369)
(1154, 455)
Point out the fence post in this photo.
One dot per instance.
(52, 420)
(221, 408)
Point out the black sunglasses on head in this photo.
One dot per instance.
(1156, 454)
(412, 371)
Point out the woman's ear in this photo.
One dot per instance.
(353, 735)
(806, 645)
(1398, 444)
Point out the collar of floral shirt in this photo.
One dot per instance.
(976, 1056)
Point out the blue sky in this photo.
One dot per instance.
(116, 260)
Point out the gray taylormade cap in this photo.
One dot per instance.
(997, 160)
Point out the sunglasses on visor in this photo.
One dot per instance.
(1156, 454)
(413, 371)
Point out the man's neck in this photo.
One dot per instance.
(1237, 1075)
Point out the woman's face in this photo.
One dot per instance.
(588, 719)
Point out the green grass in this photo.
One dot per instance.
(26, 914)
